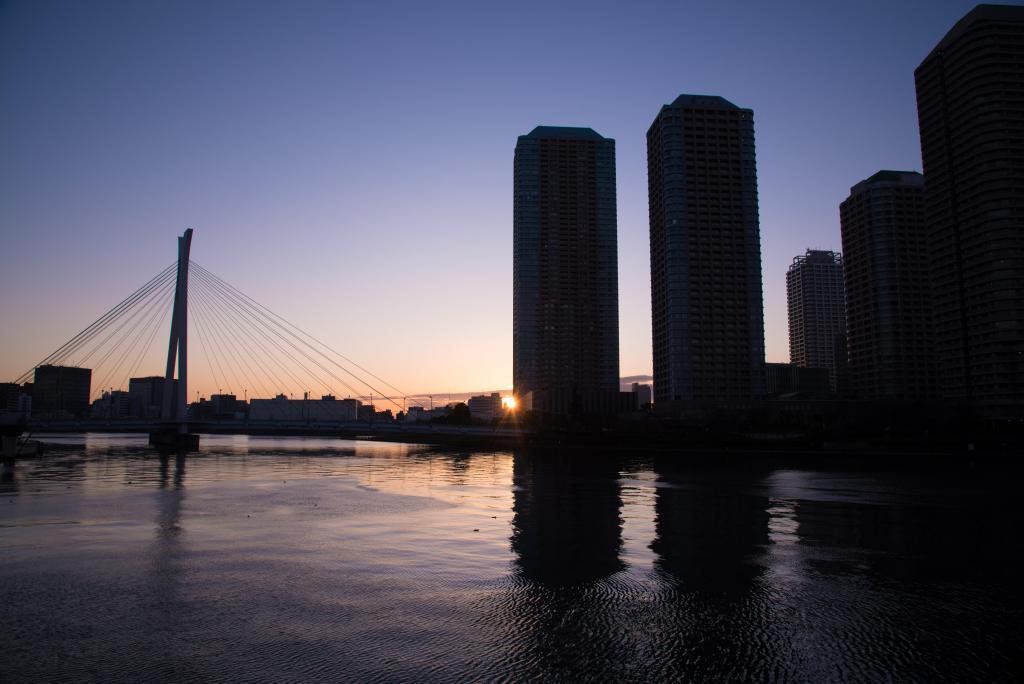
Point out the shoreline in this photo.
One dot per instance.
(657, 445)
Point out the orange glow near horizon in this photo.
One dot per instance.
(509, 403)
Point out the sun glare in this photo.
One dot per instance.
(509, 403)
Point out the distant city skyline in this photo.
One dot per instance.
(349, 167)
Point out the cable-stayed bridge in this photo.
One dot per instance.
(217, 331)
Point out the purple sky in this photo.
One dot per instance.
(350, 166)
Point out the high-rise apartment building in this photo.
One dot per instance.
(888, 288)
(706, 306)
(816, 302)
(565, 339)
(970, 102)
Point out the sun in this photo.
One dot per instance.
(509, 403)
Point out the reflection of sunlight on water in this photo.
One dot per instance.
(637, 513)
(782, 522)
(786, 572)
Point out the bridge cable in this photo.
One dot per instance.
(232, 314)
(87, 340)
(264, 323)
(149, 312)
(132, 321)
(230, 360)
(207, 352)
(269, 316)
(160, 319)
(255, 340)
(240, 358)
(230, 329)
(310, 336)
(89, 331)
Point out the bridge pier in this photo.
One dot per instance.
(173, 442)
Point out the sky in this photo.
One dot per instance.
(349, 165)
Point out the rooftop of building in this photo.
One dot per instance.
(985, 12)
(889, 177)
(563, 133)
(711, 102)
(816, 256)
(708, 101)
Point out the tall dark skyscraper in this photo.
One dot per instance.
(565, 330)
(888, 288)
(816, 303)
(970, 102)
(706, 305)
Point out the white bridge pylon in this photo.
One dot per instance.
(175, 404)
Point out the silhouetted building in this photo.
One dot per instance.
(817, 314)
(888, 288)
(147, 395)
(9, 393)
(706, 307)
(485, 406)
(281, 408)
(351, 407)
(61, 391)
(417, 414)
(221, 407)
(25, 405)
(788, 378)
(565, 332)
(643, 393)
(112, 405)
(970, 102)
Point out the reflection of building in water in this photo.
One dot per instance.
(179, 470)
(899, 538)
(566, 528)
(8, 480)
(710, 530)
(164, 609)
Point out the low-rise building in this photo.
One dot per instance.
(113, 405)
(9, 393)
(644, 394)
(787, 378)
(417, 414)
(147, 395)
(61, 391)
(485, 407)
(282, 408)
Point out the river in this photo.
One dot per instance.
(308, 559)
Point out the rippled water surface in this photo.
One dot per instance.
(300, 559)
